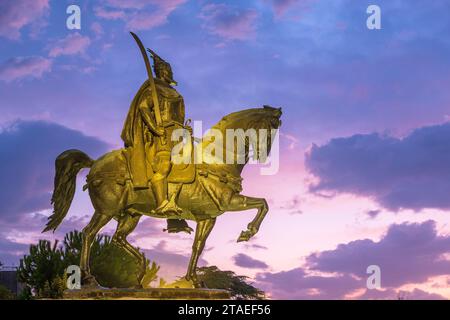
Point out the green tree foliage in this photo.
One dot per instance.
(43, 270)
(213, 277)
(5, 294)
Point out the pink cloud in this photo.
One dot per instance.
(281, 7)
(24, 67)
(74, 43)
(139, 4)
(146, 20)
(409, 254)
(109, 14)
(14, 15)
(139, 14)
(229, 22)
(97, 29)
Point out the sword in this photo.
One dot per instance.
(151, 80)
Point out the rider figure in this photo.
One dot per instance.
(141, 130)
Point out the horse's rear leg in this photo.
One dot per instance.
(202, 232)
(241, 203)
(97, 222)
(125, 226)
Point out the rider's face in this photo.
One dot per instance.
(168, 76)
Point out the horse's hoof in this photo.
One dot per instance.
(245, 236)
(90, 282)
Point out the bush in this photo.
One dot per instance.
(40, 269)
(213, 277)
(5, 294)
(43, 269)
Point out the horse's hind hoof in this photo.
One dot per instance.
(89, 282)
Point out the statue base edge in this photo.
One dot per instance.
(147, 294)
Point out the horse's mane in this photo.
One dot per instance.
(254, 118)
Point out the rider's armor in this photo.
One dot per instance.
(141, 128)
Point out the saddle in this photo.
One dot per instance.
(180, 173)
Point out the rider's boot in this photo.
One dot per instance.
(165, 206)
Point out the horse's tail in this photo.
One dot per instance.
(67, 166)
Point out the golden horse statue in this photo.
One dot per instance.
(213, 189)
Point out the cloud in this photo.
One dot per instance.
(373, 213)
(407, 253)
(138, 14)
(18, 232)
(390, 294)
(255, 246)
(73, 44)
(24, 67)
(292, 206)
(229, 23)
(410, 173)
(146, 20)
(109, 14)
(297, 284)
(281, 7)
(29, 149)
(245, 261)
(11, 251)
(97, 29)
(173, 263)
(15, 15)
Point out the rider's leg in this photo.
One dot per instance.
(136, 157)
(159, 180)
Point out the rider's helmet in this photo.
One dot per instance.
(163, 70)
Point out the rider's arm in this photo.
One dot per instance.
(144, 110)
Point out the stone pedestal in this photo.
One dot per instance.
(147, 294)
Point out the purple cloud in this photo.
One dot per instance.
(245, 261)
(15, 15)
(29, 149)
(73, 44)
(411, 173)
(297, 284)
(390, 294)
(408, 253)
(373, 213)
(229, 23)
(24, 67)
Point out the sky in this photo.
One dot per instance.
(364, 176)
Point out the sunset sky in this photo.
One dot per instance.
(364, 174)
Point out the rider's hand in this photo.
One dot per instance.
(189, 129)
(159, 131)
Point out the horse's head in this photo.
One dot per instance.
(239, 130)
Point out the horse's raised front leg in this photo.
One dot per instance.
(241, 203)
(202, 232)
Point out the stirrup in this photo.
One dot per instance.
(168, 206)
(160, 210)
